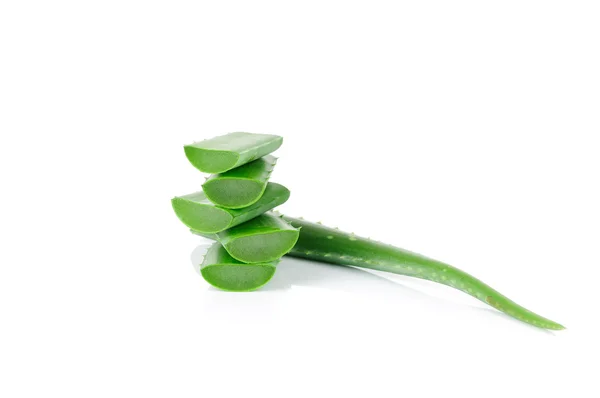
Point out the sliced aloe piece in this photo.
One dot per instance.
(225, 272)
(242, 186)
(228, 151)
(264, 238)
(199, 213)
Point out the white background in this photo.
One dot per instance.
(463, 130)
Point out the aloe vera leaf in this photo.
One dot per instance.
(329, 245)
(225, 272)
(199, 213)
(242, 186)
(264, 238)
(219, 154)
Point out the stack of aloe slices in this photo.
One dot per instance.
(235, 209)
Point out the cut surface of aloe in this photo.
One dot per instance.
(264, 238)
(242, 186)
(199, 213)
(219, 154)
(225, 272)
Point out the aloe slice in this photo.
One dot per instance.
(225, 272)
(264, 238)
(228, 151)
(242, 186)
(197, 212)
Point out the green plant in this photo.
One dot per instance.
(329, 245)
(242, 186)
(232, 210)
(264, 238)
(228, 151)
(200, 214)
(225, 272)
